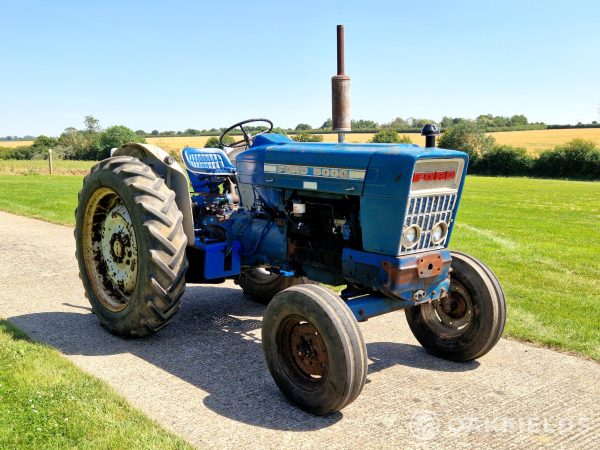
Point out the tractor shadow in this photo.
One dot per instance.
(214, 344)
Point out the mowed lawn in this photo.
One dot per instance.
(40, 166)
(535, 141)
(541, 238)
(46, 402)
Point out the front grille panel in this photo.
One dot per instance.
(425, 211)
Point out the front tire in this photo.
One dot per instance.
(130, 246)
(469, 321)
(314, 348)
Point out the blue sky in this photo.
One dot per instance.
(195, 64)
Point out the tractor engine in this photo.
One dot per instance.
(318, 230)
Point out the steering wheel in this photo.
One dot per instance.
(247, 141)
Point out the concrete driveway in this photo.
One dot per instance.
(204, 377)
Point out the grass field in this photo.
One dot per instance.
(539, 236)
(46, 402)
(40, 166)
(534, 141)
(49, 197)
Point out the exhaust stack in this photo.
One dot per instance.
(340, 92)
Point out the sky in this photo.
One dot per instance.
(201, 64)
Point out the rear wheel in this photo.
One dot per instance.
(261, 285)
(314, 349)
(130, 246)
(469, 321)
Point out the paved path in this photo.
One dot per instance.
(204, 376)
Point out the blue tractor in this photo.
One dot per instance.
(288, 221)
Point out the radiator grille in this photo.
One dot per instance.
(426, 211)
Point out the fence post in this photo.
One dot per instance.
(50, 160)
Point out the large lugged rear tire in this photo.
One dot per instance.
(261, 286)
(130, 247)
(314, 348)
(469, 321)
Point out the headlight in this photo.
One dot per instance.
(439, 232)
(411, 236)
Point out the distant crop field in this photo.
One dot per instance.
(536, 141)
(175, 144)
(13, 144)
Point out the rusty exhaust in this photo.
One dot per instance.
(340, 92)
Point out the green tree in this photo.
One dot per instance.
(115, 136)
(468, 137)
(84, 144)
(388, 136)
(92, 125)
(420, 123)
(518, 119)
(154, 133)
(303, 127)
(67, 137)
(398, 124)
(327, 125)
(140, 133)
(364, 125)
(44, 142)
(446, 122)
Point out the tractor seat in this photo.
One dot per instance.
(207, 161)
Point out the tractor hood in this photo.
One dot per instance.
(352, 169)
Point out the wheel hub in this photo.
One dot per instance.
(456, 309)
(309, 350)
(303, 352)
(118, 250)
(450, 316)
(110, 249)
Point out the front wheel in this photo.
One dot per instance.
(469, 321)
(314, 349)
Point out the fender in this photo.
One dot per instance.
(168, 169)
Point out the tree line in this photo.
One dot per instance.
(578, 159)
(489, 122)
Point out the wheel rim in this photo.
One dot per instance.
(110, 249)
(451, 316)
(302, 352)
